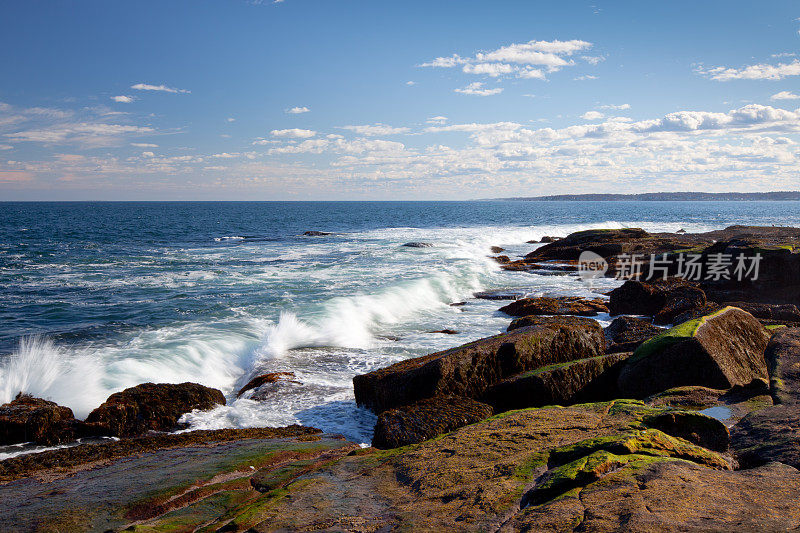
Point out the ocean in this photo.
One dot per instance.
(99, 296)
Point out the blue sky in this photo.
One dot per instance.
(330, 99)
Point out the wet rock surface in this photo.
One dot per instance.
(770, 434)
(152, 406)
(426, 419)
(264, 379)
(663, 300)
(565, 305)
(626, 333)
(558, 321)
(584, 380)
(783, 364)
(29, 419)
(469, 369)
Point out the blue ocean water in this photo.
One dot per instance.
(96, 297)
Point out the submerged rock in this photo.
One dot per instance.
(783, 364)
(497, 249)
(469, 369)
(152, 406)
(564, 305)
(29, 419)
(719, 351)
(313, 233)
(626, 333)
(584, 380)
(426, 419)
(500, 294)
(418, 245)
(445, 331)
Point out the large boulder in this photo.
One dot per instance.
(426, 419)
(766, 435)
(29, 419)
(563, 305)
(584, 380)
(783, 364)
(626, 333)
(152, 406)
(719, 351)
(662, 299)
(470, 369)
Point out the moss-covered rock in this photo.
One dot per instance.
(29, 419)
(769, 434)
(426, 419)
(719, 351)
(783, 364)
(661, 299)
(563, 305)
(470, 369)
(584, 380)
(152, 406)
(626, 333)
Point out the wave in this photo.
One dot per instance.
(45, 370)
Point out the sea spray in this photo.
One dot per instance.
(42, 369)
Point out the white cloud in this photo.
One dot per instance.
(411, 83)
(148, 154)
(476, 88)
(144, 145)
(530, 60)
(612, 106)
(489, 69)
(122, 99)
(89, 134)
(298, 110)
(784, 95)
(585, 77)
(159, 88)
(376, 129)
(437, 120)
(231, 119)
(293, 133)
(592, 115)
(761, 71)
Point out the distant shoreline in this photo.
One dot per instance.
(665, 197)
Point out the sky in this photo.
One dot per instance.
(413, 100)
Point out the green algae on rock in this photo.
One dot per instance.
(719, 350)
(470, 369)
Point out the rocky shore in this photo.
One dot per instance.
(683, 414)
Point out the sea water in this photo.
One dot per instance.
(97, 297)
